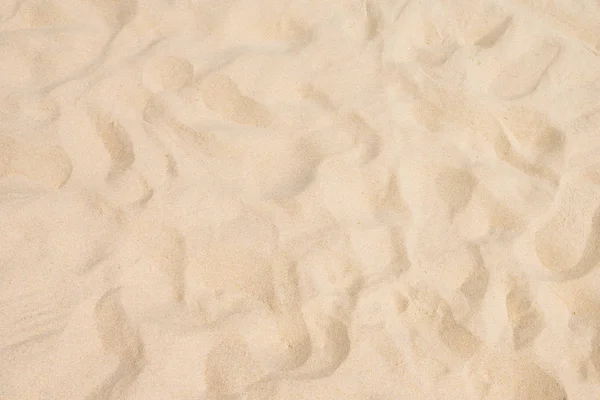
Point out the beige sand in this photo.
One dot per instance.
(300, 200)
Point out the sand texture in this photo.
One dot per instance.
(300, 200)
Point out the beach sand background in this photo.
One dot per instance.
(307, 199)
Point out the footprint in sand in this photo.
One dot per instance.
(526, 320)
(277, 340)
(533, 383)
(438, 324)
(167, 73)
(367, 142)
(532, 132)
(329, 346)
(567, 244)
(45, 165)
(455, 186)
(493, 375)
(230, 368)
(66, 228)
(116, 140)
(223, 96)
(266, 165)
(121, 338)
(280, 343)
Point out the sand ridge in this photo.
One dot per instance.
(254, 199)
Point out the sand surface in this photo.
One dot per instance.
(300, 200)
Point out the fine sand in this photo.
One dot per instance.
(300, 200)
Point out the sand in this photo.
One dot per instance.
(300, 200)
